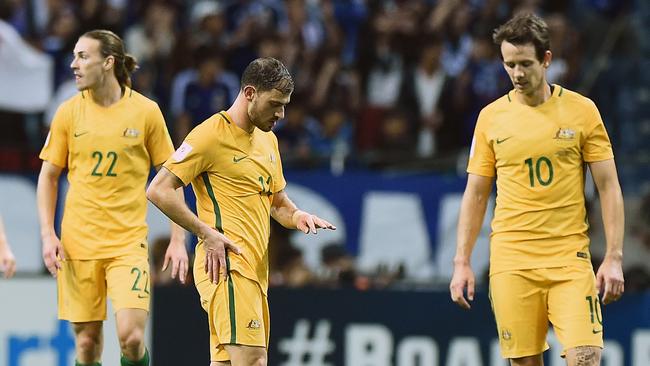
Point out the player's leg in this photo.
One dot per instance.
(246, 355)
(535, 360)
(130, 332)
(82, 301)
(574, 311)
(128, 284)
(519, 304)
(237, 315)
(583, 356)
(89, 342)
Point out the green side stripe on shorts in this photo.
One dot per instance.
(215, 204)
(231, 304)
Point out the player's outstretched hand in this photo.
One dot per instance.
(52, 254)
(7, 262)
(308, 223)
(463, 278)
(216, 245)
(610, 274)
(176, 254)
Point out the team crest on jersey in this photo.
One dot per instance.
(131, 132)
(254, 324)
(565, 134)
(506, 335)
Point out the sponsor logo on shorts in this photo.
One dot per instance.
(506, 335)
(254, 324)
(582, 255)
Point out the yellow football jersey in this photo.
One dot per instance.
(538, 156)
(234, 175)
(108, 152)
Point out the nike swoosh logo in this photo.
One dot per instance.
(143, 297)
(596, 331)
(502, 140)
(237, 160)
(77, 134)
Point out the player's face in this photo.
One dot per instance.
(266, 108)
(88, 65)
(527, 74)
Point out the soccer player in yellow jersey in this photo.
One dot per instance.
(536, 141)
(108, 136)
(7, 260)
(233, 163)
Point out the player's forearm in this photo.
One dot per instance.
(171, 204)
(177, 232)
(46, 196)
(613, 214)
(284, 210)
(3, 237)
(470, 220)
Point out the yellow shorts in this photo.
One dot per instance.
(525, 301)
(84, 284)
(238, 311)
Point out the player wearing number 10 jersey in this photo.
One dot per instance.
(536, 141)
(108, 136)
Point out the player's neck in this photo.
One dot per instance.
(107, 93)
(540, 96)
(239, 114)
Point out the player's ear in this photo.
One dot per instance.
(249, 92)
(548, 56)
(109, 61)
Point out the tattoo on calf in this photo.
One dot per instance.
(587, 356)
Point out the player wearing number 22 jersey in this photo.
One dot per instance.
(108, 137)
(108, 153)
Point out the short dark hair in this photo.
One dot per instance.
(112, 45)
(267, 73)
(522, 29)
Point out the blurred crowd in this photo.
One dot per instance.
(378, 83)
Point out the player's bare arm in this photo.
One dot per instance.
(609, 278)
(46, 196)
(472, 212)
(284, 211)
(7, 259)
(176, 253)
(162, 193)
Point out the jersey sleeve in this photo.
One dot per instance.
(481, 156)
(597, 146)
(279, 183)
(157, 139)
(192, 157)
(55, 149)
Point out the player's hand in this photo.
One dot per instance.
(463, 278)
(609, 280)
(308, 223)
(216, 244)
(176, 254)
(7, 262)
(52, 254)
